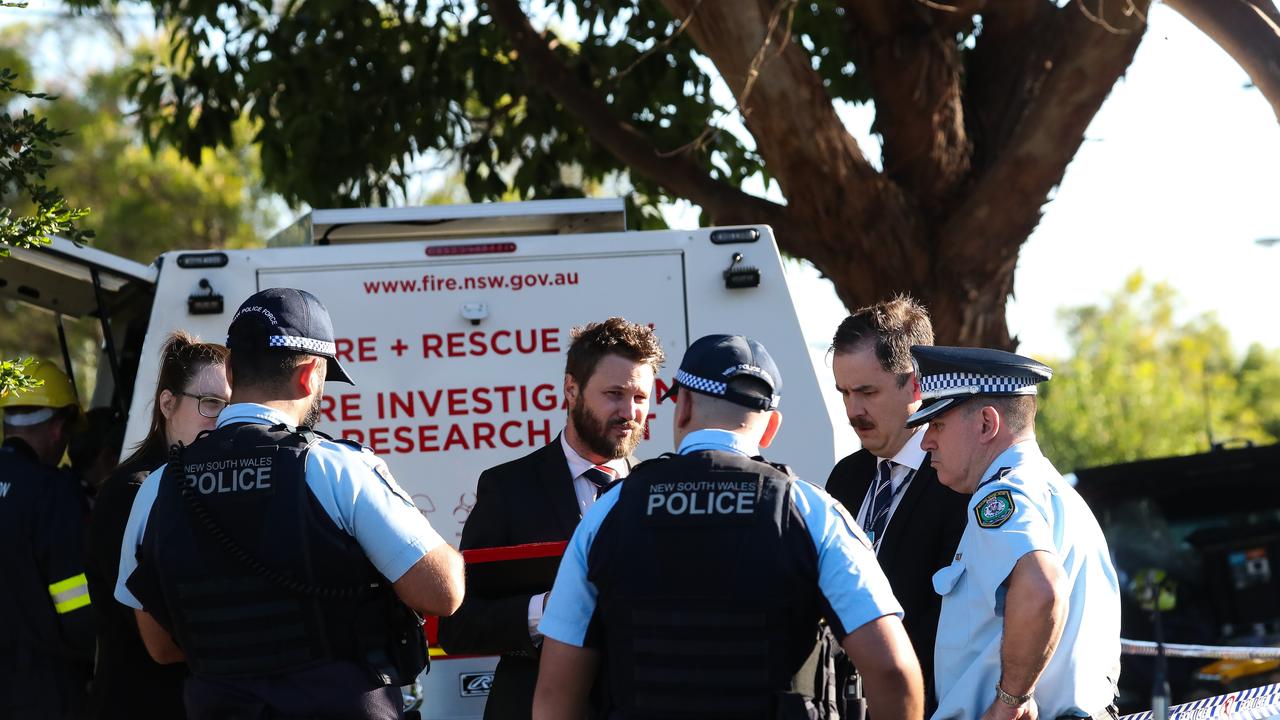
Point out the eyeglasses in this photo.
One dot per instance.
(209, 406)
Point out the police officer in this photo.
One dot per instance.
(1030, 622)
(700, 580)
(46, 624)
(276, 562)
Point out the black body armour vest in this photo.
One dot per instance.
(708, 592)
(256, 578)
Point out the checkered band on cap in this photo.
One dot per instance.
(316, 347)
(946, 385)
(693, 382)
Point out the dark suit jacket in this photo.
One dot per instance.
(528, 500)
(921, 537)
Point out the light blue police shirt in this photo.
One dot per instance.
(354, 487)
(848, 574)
(1027, 508)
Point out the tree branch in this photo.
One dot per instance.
(1005, 71)
(1003, 207)
(828, 182)
(678, 174)
(910, 53)
(1249, 30)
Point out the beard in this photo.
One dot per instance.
(595, 433)
(313, 413)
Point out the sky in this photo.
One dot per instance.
(1178, 176)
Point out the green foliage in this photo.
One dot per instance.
(26, 152)
(1141, 384)
(145, 202)
(345, 93)
(27, 144)
(149, 201)
(14, 378)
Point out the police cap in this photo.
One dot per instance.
(950, 375)
(287, 319)
(713, 360)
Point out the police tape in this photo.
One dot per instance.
(1260, 703)
(1225, 652)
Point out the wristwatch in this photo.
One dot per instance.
(1011, 700)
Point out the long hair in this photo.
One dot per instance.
(181, 359)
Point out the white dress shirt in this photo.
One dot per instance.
(906, 464)
(586, 492)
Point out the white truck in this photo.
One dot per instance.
(453, 321)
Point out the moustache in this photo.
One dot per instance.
(860, 423)
(625, 422)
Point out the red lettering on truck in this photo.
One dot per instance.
(480, 343)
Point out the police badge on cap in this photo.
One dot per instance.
(950, 375)
(287, 319)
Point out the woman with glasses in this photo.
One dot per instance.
(191, 391)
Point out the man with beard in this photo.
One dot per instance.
(276, 562)
(913, 521)
(541, 497)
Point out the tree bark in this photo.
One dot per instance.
(971, 152)
(677, 173)
(916, 76)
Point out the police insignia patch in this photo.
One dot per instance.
(993, 510)
(384, 473)
(852, 526)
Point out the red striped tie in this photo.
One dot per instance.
(600, 476)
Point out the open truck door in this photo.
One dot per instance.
(64, 279)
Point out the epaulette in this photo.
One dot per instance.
(780, 467)
(345, 441)
(654, 461)
(308, 435)
(1000, 474)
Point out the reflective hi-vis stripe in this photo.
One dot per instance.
(70, 594)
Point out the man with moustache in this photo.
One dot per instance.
(913, 521)
(278, 563)
(540, 497)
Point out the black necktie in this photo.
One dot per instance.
(881, 502)
(600, 476)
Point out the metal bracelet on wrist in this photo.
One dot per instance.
(1011, 700)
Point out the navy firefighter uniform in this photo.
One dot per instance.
(702, 578)
(46, 623)
(268, 552)
(46, 620)
(1021, 505)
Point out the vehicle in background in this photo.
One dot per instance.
(1211, 523)
(453, 321)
